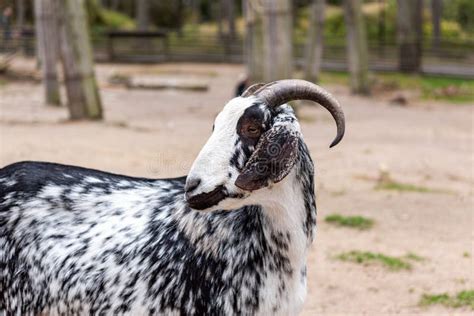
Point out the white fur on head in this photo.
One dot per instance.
(212, 165)
(222, 162)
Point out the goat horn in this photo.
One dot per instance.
(251, 90)
(280, 92)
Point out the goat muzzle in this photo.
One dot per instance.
(205, 200)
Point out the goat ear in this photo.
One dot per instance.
(272, 160)
(252, 89)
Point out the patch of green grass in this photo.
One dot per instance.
(414, 257)
(357, 222)
(465, 298)
(429, 299)
(341, 78)
(461, 299)
(405, 187)
(456, 90)
(366, 257)
(3, 82)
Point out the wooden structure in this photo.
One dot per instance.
(146, 45)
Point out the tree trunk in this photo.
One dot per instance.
(142, 15)
(196, 14)
(20, 14)
(357, 51)
(277, 40)
(180, 16)
(114, 5)
(253, 46)
(218, 10)
(46, 22)
(230, 17)
(314, 42)
(38, 33)
(227, 24)
(436, 12)
(409, 22)
(81, 87)
(381, 28)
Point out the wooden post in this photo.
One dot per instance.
(114, 5)
(230, 18)
(46, 22)
(228, 7)
(357, 51)
(314, 42)
(381, 28)
(110, 47)
(218, 11)
(38, 34)
(81, 87)
(142, 8)
(436, 12)
(142, 12)
(253, 46)
(20, 14)
(409, 23)
(277, 40)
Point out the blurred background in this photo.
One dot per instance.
(133, 87)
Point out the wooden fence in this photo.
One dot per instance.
(454, 57)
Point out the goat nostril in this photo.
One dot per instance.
(192, 184)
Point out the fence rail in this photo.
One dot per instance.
(453, 57)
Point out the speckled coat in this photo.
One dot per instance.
(76, 241)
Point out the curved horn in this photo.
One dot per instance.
(251, 90)
(282, 91)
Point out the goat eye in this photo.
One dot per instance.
(253, 131)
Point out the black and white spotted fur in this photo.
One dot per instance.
(76, 241)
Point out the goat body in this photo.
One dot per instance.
(80, 241)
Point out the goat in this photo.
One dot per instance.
(231, 238)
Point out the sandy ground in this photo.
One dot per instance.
(158, 134)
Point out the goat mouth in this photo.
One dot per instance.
(205, 200)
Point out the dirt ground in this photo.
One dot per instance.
(158, 134)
